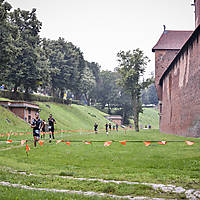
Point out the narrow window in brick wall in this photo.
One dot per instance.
(160, 103)
(160, 109)
(170, 86)
(160, 106)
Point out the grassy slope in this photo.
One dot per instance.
(150, 116)
(73, 117)
(13, 123)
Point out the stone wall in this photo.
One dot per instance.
(180, 108)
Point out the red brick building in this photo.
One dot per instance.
(177, 78)
(24, 110)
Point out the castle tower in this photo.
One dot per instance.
(165, 50)
(197, 12)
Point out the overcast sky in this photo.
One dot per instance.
(101, 28)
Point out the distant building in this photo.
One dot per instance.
(177, 79)
(117, 119)
(148, 105)
(22, 109)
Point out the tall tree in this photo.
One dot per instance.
(24, 71)
(107, 89)
(66, 66)
(132, 66)
(87, 83)
(8, 34)
(93, 92)
(149, 95)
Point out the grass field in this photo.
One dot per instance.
(45, 167)
(173, 163)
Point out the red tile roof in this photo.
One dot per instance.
(195, 34)
(172, 40)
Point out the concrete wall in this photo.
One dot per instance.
(181, 94)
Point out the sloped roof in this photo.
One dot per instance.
(19, 104)
(184, 48)
(113, 117)
(172, 40)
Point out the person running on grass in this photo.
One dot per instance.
(117, 127)
(106, 125)
(113, 127)
(36, 125)
(51, 122)
(95, 128)
(44, 128)
(110, 126)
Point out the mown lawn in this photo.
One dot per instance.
(174, 163)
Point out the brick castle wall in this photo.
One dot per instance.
(181, 94)
(197, 12)
(18, 111)
(162, 60)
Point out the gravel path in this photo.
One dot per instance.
(191, 194)
(76, 192)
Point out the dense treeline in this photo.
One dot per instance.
(29, 63)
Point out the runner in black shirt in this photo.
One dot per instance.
(106, 125)
(44, 128)
(36, 125)
(51, 121)
(95, 127)
(110, 126)
(117, 127)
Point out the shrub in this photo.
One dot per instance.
(32, 97)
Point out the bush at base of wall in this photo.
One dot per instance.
(32, 97)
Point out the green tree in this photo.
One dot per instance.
(131, 68)
(8, 34)
(66, 66)
(107, 89)
(24, 70)
(149, 95)
(87, 84)
(93, 92)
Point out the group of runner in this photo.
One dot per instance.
(106, 127)
(38, 125)
(43, 126)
